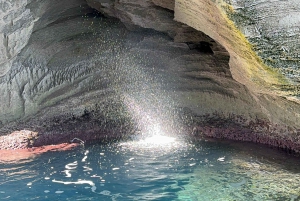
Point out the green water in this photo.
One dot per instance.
(158, 169)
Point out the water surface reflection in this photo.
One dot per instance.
(149, 169)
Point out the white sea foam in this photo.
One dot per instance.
(71, 166)
(222, 159)
(84, 159)
(93, 188)
(86, 168)
(91, 183)
(105, 192)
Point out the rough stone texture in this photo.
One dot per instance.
(19, 18)
(169, 4)
(139, 13)
(17, 85)
(273, 27)
(207, 17)
(87, 76)
(16, 24)
(18, 140)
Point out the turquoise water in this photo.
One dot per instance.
(160, 168)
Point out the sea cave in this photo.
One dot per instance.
(149, 100)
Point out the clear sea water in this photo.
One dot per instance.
(158, 168)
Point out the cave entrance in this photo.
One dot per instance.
(91, 73)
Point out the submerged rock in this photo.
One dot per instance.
(17, 155)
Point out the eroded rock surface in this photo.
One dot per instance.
(273, 27)
(15, 29)
(131, 68)
(18, 140)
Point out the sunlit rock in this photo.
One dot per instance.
(273, 30)
(104, 69)
(18, 140)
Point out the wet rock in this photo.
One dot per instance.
(18, 140)
(17, 155)
(75, 72)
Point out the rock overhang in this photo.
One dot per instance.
(77, 73)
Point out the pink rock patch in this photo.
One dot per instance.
(21, 154)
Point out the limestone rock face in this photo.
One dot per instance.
(104, 69)
(139, 13)
(246, 67)
(169, 4)
(274, 28)
(16, 24)
(18, 19)
(18, 140)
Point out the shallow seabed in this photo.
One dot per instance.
(155, 168)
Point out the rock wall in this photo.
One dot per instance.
(246, 67)
(16, 26)
(22, 76)
(273, 28)
(19, 18)
(131, 68)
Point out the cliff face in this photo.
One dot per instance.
(273, 29)
(99, 68)
(16, 27)
(24, 64)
